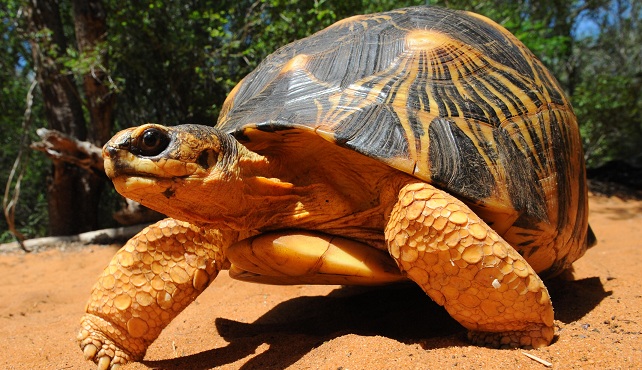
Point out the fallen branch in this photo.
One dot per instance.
(104, 236)
(61, 147)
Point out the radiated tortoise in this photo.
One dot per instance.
(422, 143)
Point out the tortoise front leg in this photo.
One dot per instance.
(462, 264)
(149, 281)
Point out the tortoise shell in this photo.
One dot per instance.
(449, 97)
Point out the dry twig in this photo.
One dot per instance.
(535, 358)
(10, 201)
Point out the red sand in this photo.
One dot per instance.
(235, 325)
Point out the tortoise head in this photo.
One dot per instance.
(189, 172)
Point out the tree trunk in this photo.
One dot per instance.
(63, 107)
(91, 29)
(72, 192)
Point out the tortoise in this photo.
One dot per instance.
(419, 144)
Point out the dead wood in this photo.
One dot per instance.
(104, 236)
(61, 147)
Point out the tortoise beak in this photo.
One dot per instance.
(113, 150)
(121, 141)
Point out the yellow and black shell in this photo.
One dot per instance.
(447, 96)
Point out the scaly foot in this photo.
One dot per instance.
(97, 347)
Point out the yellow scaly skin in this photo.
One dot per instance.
(149, 281)
(463, 265)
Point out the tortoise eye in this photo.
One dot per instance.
(152, 142)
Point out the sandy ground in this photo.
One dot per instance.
(235, 325)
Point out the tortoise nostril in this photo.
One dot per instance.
(110, 151)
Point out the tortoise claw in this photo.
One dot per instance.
(100, 349)
(103, 363)
(90, 351)
(105, 359)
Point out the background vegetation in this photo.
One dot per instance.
(120, 63)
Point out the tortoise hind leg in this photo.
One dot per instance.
(158, 273)
(462, 264)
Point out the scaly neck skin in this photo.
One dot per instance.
(267, 198)
(234, 194)
(274, 195)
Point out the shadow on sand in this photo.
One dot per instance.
(401, 312)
